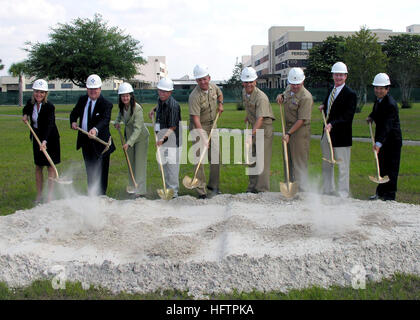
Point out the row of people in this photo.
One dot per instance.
(93, 112)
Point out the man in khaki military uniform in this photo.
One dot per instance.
(260, 115)
(298, 104)
(204, 102)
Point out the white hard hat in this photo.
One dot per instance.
(200, 71)
(125, 87)
(165, 84)
(40, 84)
(381, 80)
(296, 76)
(248, 74)
(93, 82)
(339, 67)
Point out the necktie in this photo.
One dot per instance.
(330, 101)
(89, 114)
(38, 107)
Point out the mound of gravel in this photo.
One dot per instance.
(243, 241)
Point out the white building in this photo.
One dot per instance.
(148, 76)
(288, 47)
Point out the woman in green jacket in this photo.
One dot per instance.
(136, 136)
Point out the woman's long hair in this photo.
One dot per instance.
(45, 100)
(132, 103)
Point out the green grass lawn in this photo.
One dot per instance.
(18, 184)
(17, 187)
(398, 287)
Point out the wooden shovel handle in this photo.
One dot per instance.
(374, 151)
(127, 159)
(42, 149)
(159, 157)
(328, 137)
(93, 137)
(206, 147)
(286, 156)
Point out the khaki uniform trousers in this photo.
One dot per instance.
(261, 182)
(212, 152)
(342, 153)
(138, 160)
(298, 157)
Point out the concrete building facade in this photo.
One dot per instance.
(288, 47)
(149, 74)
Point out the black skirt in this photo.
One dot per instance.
(53, 150)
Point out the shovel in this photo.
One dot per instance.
(129, 189)
(377, 179)
(247, 146)
(57, 178)
(333, 161)
(106, 144)
(165, 194)
(194, 183)
(288, 189)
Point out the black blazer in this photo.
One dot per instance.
(101, 117)
(341, 116)
(47, 129)
(385, 115)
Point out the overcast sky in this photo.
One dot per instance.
(189, 32)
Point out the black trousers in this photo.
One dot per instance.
(389, 165)
(97, 168)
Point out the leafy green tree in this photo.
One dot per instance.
(18, 70)
(403, 52)
(83, 47)
(364, 59)
(321, 58)
(235, 84)
(1, 65)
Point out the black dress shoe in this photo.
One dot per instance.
(375, 197)
(388, 199)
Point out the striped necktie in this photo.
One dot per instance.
(330, 101)
(89, 115)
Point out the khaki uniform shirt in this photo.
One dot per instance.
(204, 104)
(297, 106)
(257, 105)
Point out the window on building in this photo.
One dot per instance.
(28, 86)
(67, 86)
(307, 45)
(51, 86)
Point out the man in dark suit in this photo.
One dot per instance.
(94, 114)
(339, 107)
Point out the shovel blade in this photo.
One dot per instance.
(63, 180)
(379, 180)
(168, 195)
(289, 190)
(190, 183)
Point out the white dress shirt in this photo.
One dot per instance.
(85, 114)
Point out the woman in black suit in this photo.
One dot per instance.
(41, 114)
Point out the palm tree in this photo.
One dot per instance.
(18, 70)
